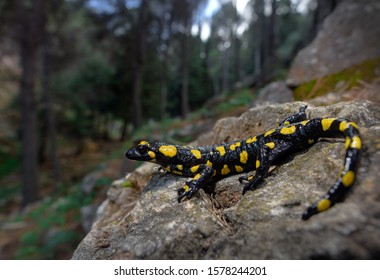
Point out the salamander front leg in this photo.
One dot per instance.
(203, 174)
(298, 117)
(262, 168)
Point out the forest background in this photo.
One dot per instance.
(82, 79)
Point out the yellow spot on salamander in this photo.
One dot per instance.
(286, 123)
(288, 130)
(326, 123)
(209, 163)
(176, 172)
(225, 170)
(270, 145)
(152, 154)
(196, 153)
(347, 143)
(233, 146)
(356, 143)
(310, 141)
(343, 126)
(196, 177)
(348, 178)
(144, 143)
(305, 122)
(257, 164)
(180, 166)
(251, 140)
(186, 188)
(323, 204)
(168, 151)
(269, 132)
(243, 157)
(194, 168)
(354, 125)
(238, 168)
(222, 150)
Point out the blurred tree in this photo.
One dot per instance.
(164, 14)
(32, 20)
(225, 47)
(259, 38)
(185, 11)
(48, 133)
(139, 62)
(101, 61)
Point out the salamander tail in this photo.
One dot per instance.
(341, 187)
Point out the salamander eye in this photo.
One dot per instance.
(142, 149)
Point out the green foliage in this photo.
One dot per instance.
(55, 220)
(103, 181)
(91, 84)
(35, 246)
(9, 163)
(7, 193)
(240, 98)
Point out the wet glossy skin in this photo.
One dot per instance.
(295, 133)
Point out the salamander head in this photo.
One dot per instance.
(154, 152)
(144, 151)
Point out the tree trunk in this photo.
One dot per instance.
(271, 30)
(142, 26)
(29, 155)
(49, 112)
(163, 92)
(226, 70)
(137, 118)
(237, 59)
(165, 27)
(259, 41)
(30, 23)
(185, 68)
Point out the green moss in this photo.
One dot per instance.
(127, 184)
(342, 80)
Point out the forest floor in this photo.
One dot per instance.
(23, 231)
(51, 228)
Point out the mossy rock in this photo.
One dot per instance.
(349, 78)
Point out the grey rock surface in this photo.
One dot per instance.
(273, 93)
(349, 36)
(220, 223)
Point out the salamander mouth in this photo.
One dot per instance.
(134, 154)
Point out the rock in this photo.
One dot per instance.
(275, 92)
(220, 223)
(349, 36)
(87, 214)
(89, 181)
(369, 91)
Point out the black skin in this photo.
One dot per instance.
(295, 133)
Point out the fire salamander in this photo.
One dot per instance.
(257, 153)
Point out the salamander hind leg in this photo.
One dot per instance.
(300, 116)
(203, 174)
